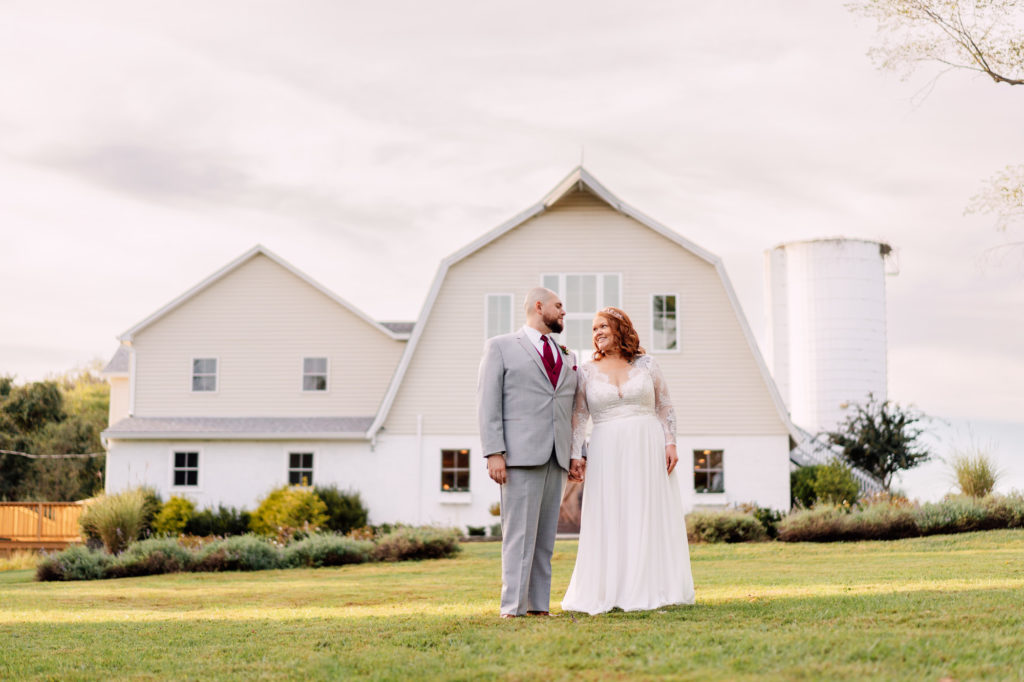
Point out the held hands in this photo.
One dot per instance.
(577, 468)
(671, 458)
(496, 469)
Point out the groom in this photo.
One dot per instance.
(524, 403)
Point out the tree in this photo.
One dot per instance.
(31, 406)
(23, 411)
(59, 416)
(881, 438)
(985, 36)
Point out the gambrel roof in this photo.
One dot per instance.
(258, 250)
(578, 180)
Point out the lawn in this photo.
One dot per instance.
(919, 609)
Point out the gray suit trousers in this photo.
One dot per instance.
(530, 500)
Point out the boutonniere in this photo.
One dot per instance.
(565, 351)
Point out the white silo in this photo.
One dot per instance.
(826, 326)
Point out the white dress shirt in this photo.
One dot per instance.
(535, 339)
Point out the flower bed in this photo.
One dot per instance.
(247, 553)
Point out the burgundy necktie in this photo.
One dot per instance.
(549, 357)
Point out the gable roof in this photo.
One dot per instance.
(258, 250)
(578, 180)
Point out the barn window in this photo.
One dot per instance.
(665, 328)
(454, 471)
(708, 471)
(314, 374)
(300, 468)
(583, 294)
(497, 314)
(204, 375)
(186, 469)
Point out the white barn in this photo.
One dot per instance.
(259, 375)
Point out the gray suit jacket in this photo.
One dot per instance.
(520, 413)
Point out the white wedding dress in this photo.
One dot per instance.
(632, 552)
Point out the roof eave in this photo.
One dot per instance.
(191, 435)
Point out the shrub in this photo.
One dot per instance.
(475, 531)
(881, 521)
(821, 524)
(769, 520)
(222, 522)
(154, 556)
(345, 510)
(288, 510)
(1006, 510)
(373, 532)
(173, 517)
(424, 542)
(834, 483)
(150, 508)
(767, 517)
(327, 550)
(117, 520)
(883, 497)
(975, 471)
(77, 562)
(801, 486)
(954, 515)
(495, 509)
(495, 530)
(724, 526)
(19, 559)
(239, 553)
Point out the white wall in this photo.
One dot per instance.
(400, 479)
(240, 473)
(756, 469)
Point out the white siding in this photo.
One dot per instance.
(260, 320)
(756, 469)
(715, 381)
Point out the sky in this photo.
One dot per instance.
(145, 145)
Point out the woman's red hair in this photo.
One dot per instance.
(625, 334)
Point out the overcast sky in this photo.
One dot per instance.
(145, 145)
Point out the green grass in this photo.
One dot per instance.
(918, 609)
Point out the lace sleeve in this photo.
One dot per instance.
(580, 414)
(662, 403)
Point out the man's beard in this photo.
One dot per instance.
(555, 325)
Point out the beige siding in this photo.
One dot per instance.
(715, 381)
(119, 398)
(260, 320)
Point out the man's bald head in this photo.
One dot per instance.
(537, 295)
(544, 311)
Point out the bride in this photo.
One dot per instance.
(632, 550)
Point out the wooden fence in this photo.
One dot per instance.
(38, 525)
